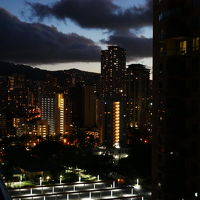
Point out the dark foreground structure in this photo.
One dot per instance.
(4, 194)
(176, 149)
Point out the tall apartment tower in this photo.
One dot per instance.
(83, 100)
(89, 101)
(138, 96)
(176, 75)
(113, 66)
(48, 112)
(54, 112)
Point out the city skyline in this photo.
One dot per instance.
(121, 124)
(75, 39)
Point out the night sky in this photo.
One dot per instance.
(62, 34)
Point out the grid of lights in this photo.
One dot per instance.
(116, 123)
(79, 190)
(61, 110)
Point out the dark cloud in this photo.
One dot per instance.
(136, 47)
(103, 14)
(38, 43)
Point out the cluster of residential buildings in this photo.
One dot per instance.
(120, 99)
(109, 104)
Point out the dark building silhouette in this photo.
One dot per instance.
(89, 101)
(83, 105)
(176, 127)
(3, 103)
(76, 96)
(138, 96)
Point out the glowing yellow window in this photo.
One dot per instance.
(195, 43)
(183, 47)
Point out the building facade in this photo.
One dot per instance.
(42, 128)
(138, 96)
(176, 75)
(48, 112)
(89, 110)
(53, 110)
(113, 67)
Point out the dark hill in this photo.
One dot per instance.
(29, 72)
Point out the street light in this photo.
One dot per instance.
(48, 178)
(20, 180)
(61, 179)
(137, 186)
(40, 181)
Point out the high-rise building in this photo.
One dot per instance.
(76, 96)
(113, 66)
(100, 121)
(83, 100)
(89, 93)
(176, 127)
(60, 114)
(54, 112)
(138, 96)
(48, 112)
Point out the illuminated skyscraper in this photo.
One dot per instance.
(54, 112)
(113, 66)
(48, 108)
(116, 123)
(176, 127)
(60, 114)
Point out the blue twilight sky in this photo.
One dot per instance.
(63, 34)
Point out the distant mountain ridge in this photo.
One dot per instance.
(7, 69)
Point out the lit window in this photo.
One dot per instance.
(161, 49)
(183, 47)
(195, 43)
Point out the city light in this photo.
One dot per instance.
(137, 186)
(116, 124)
(40, 181)
(61, 178)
